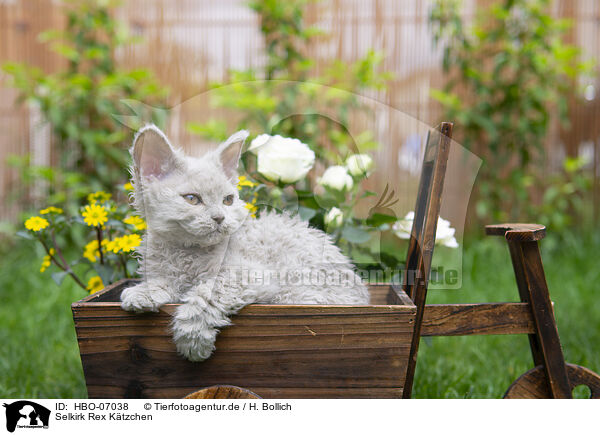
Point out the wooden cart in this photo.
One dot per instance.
(332, 351)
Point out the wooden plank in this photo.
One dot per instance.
(477, 319)
(397, 296)
(517, 232)
(439, 320)
(427, 212)
(111, 294)
(111, 391)
(332, 368)
(119, 317)
(114, 308)
(329, 393)
(134, 329)
(271, 343)
(516, 256)
(291, 350)
(547, 332)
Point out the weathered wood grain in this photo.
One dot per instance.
(477, 319)
(517, 232)
(543, 315)
(263, 392)
(222, 392)
(273, 350)
(423, 233)
(534, 383)
(516, 256)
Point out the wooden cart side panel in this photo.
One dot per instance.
(281, 351)
(378, 291)
(477, 319)
(263, 392)
(439, 320)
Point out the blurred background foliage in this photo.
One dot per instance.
(290, 98)
(80, 104)
(506, 79)
(509, 74)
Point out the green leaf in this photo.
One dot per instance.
(355, 235)
(379, 219)
(59, 277)
(25, 234)
(105, 272)
(212, 129)
(306, 213)
(66, 51)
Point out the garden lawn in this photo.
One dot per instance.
(485, 366)
(39, 355)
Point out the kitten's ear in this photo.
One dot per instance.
(152, 153)
(229, 152)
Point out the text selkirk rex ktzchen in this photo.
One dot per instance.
(200, 239)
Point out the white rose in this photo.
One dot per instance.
(359, 164)
(259, 141)
(444, 234)
(282, 159)
(334, 217)
(337, 178)
(403, 227)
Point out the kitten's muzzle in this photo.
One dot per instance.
(218, 218)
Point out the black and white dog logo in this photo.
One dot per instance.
(26, 414)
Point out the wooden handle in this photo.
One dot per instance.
(522, 232)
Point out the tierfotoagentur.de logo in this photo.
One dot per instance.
(25, 414)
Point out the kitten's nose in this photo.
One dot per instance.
(218, 218)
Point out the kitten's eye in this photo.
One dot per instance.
(192, 198)
(228, 200)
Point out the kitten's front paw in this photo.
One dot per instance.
(194, 332)
(195, 349)
(144, 298)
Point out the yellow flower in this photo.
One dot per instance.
(251, 206)
(91, 251)
(51, 209)
(100, 196)
(95, 284)
(36, 223)
(244, 182)
(113, 246)
(136, 221)
(46, 261)
(128, 242)
(128, 187)
(94, 215)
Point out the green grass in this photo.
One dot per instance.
(39, 355)
(485, 366)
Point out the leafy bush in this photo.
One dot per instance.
(106, 251)
(305, 116)
(81, 101)
(288, 99)
(507, 75)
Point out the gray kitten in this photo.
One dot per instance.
(203, 250)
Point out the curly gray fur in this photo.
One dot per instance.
(212, 257)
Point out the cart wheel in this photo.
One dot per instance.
(532, 384)
(222, 392)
